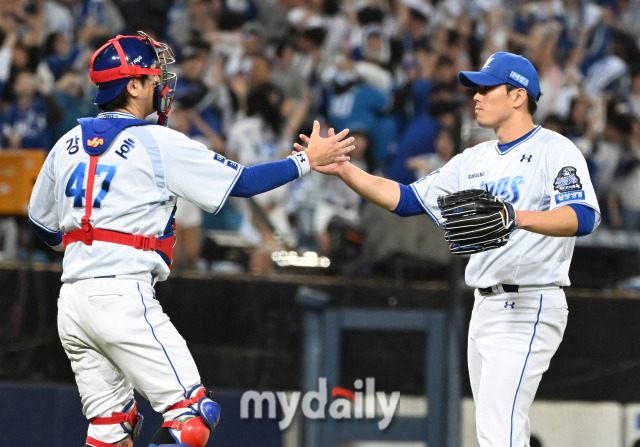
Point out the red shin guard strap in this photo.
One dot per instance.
(188, 402)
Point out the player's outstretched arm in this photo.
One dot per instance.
(264, 177)
(562, 222)
(326, 150)
(380, 191)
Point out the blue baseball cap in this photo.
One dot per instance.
(504, 68)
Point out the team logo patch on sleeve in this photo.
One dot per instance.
(567, 183)
(219, 158)
(233, 164)
(567, 180)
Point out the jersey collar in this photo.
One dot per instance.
(108, 115)
(504, 148)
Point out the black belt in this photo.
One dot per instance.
(509, 288)
(499, 288)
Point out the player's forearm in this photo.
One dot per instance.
(562, 222)
(264, 177)
(380, 191)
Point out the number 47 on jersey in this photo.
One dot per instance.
(75, 185)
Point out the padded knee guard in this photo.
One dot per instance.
(193, 432)
(200, 417)
(129, 419)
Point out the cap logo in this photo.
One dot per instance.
(486, 64)
(519, 78)
(136, 60)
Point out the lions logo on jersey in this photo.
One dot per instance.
(567, 180)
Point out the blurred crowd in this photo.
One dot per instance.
(253, 74)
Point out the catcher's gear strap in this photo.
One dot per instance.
(87, 234)
(132, 418)
(118, 418)
(204, 406)
(190, 401)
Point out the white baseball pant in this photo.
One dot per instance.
(117, 337)
(512, 338)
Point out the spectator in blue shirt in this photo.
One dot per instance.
(354, 104)
(419, 136)
(61, 55)
(27, 118)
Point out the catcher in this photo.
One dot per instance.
(106, 195)
(515, 205)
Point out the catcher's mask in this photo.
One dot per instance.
(125, 57)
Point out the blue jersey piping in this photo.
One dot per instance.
(535, 326)
(159, 342)
(503, 149)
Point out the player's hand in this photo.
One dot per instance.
(324, 151)
(330, 169)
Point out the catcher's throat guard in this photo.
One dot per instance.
(476, 221)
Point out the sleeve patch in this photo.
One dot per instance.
(219, 158)
(567, 180)
(567, 196)
(233, 164)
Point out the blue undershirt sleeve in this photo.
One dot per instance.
(408, 205)
(586, 219)
(51, 238)
(264, 177)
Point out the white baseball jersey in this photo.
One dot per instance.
(540, 171)
(156, 162)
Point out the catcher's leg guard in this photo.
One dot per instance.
(129, 420)
(193, 432)
(197, 418)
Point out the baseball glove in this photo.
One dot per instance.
(476, 221)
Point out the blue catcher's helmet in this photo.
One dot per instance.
(125, 57)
